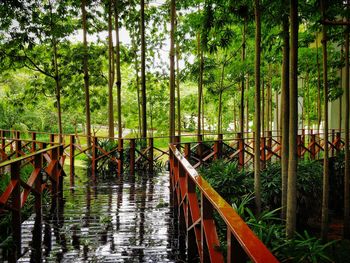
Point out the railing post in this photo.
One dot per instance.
(338, 142)
(177, 141)
(313, 146)
(263, 152)
(132, 156)
(18, 144)
(150, 155)
(16, 212)
(241, 149)
(3, 140)
(299, 143)
(333, 138)
(187, 151)
(94, 157)
(71, 159)
(121, 156)
(200, 147)
(52, 139)
(218, 147)
(55, 179)
(37, 231)
(33, 142)
(235, 252)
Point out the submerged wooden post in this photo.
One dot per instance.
(121, 156)
(16, 212)
(132, 156)
(150, 155)
(94, 157)
(71, 159)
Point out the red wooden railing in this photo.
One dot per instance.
(46, 163)
(197, 214)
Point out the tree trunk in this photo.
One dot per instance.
(247, 103)
(347, 150)
(325, 193)
(200, 83)
(58, 90)
(220, 113)
(143, 71)
(257, 179)
(263, 108)
(86, 75)
(172, 72)
(293, 122)
(319, 114)
(308, 99)
(285, 114)
(117, 64)
(241, 125)
(178, 85)
(110, 74)
(341, 96)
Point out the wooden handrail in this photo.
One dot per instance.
(243, 235)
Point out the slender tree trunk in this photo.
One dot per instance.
(172, 71)
(86, 75)
(247, 103)
(268, 99)
(220, 113)
(293, 122)
(347, 149)
(178, 85)
(118, 74)
(319, 111)
(325, 193)
(277, 114)
(257, 179)
(110, 74)
(143, 70)
(308, 99)
(263, 108)
(200, 81)
(58, 90)
(285, 113)
(241, 125)
(341, 96)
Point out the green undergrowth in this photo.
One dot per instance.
(235, 186)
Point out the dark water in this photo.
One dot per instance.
(116, 220)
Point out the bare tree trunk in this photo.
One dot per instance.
(341, 96)
(220, 113)
(172, 72)
(86, 75)
(178, 85)
(247, 103)
(293, 123)
(263, 108)
(257, 179)
(277, 114)
(285, 114)
(241, 125)
(319, 111)
(110, 74)
(143, 71)
(325, 193)
(118, 74)
(58, 90)
(347, 150)
(200, 82)
(308, 99)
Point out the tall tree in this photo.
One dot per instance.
(285, 110)
(143, 70)
(117, 63)
(347, 141)
(325, 190)
(257, 179)
(110, 72)
(293, 121)
(242, 82)
(86, 74)
(172, 71)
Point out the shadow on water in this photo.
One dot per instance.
(120, 219)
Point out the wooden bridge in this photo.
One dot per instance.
(191, 231)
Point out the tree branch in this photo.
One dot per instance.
(37, 67)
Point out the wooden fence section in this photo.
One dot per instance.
(118, 155)
(47, 173)
(195, 215)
